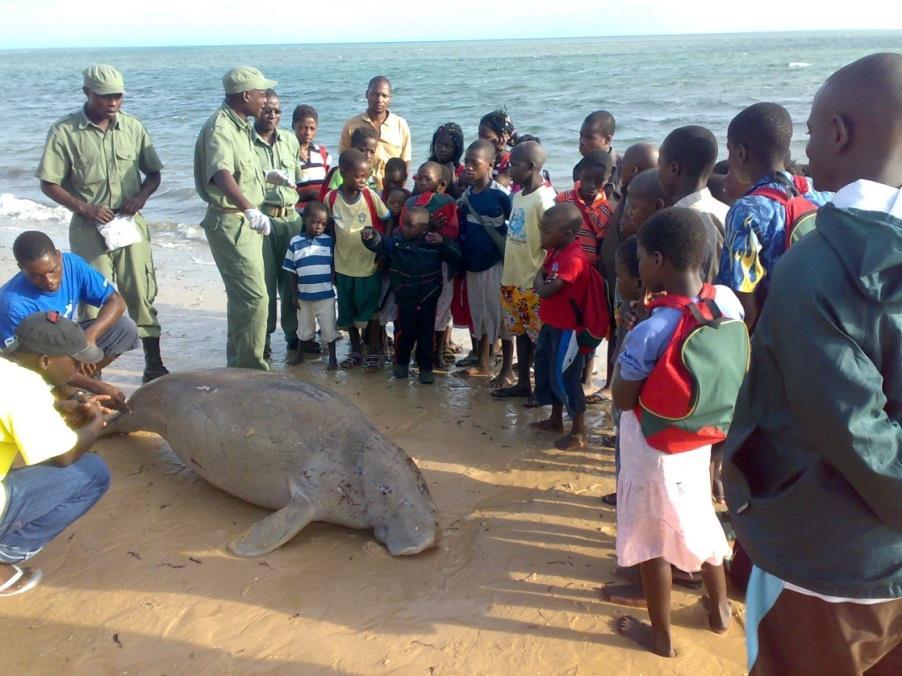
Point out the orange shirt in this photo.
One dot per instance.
(596, 217)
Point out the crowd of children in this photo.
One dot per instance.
(629, 253)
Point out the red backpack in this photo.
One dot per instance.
(688, 399)
(800, 211)
(592, 313)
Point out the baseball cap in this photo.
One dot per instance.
(102, 79)
(52, 334)
(245, 78)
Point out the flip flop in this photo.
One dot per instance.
(373, 363)
(510, 391)
(448, 355)
(469, 360)
(353, 359)
(32, 576)
(596, 398)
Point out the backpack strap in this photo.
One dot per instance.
(323, 153)
(330, 200)
(368, 198)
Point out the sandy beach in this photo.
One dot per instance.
(143, 584)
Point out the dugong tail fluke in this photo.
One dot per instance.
(289, 446)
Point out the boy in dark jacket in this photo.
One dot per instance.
(813, 470)
(416, 281)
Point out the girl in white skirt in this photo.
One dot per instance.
(665, 516)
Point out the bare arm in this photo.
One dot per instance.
(87, 435)
(109, 314)
(92, 212)
(226, 182)
(546, 286)
(625, 393)
(750, 305)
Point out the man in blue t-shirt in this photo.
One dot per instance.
(51, 280)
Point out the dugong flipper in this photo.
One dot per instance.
(274, 530)
(289, 446)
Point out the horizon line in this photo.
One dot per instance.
(456, 40)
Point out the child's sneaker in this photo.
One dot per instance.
(426, 378)
(401, 372)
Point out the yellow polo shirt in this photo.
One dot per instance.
(29, 423)
(394, 140)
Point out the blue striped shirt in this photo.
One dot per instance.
(311, 259)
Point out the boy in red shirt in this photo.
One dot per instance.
(561, 286)
(589, 196)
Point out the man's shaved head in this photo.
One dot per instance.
(529, 151)
(646, 186)
(855, 124)
(637, 158)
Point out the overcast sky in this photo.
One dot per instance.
(74, 23)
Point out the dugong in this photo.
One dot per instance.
(289, 446)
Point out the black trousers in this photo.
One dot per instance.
(416, 324)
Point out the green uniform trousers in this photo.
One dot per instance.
(129, 268)
(238, 254)
(280, 282)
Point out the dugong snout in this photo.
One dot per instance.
(400, 507)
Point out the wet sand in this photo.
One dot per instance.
(143, 585)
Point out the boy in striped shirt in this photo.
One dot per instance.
(310, 258)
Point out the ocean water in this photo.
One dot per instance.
(650, 84)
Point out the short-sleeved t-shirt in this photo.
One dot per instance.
(281, 155)
(310, 258)
(29, 423)
(754, 237)
(394, 140)
(480, 252)
(100, 167)
(571, 265)
(80, 284)
(645, 344)
(224, 144)
(523, 253)
(352, 258)
(596, 217)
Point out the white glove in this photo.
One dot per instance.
(278, 177)
(258, 221)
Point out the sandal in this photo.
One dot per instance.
(596, 398)
(353, 359)
(23, 580)
(470, 360)
(373, 363)
(448, 355)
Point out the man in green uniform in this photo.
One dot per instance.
(228, 177)
(92, 165)
(278, 152)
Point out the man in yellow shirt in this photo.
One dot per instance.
(394, 133)
(38, 501)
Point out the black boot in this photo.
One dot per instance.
(153, 363)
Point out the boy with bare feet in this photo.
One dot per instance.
(484, 210)
(523, 256)
(561, 281)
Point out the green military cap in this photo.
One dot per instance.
(245, 78)
(102, 79)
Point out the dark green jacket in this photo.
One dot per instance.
(416, 267)
(812, 470)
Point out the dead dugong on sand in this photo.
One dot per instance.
(289, 446)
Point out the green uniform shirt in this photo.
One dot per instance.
(282, 155)
(102, 168)
(224, 144)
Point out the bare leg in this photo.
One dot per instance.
(554, 423)
(333, 363)
(656, 636)
(354, 334)
(506, 374)
(718, 607)
(483, 368)
(577, 437)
